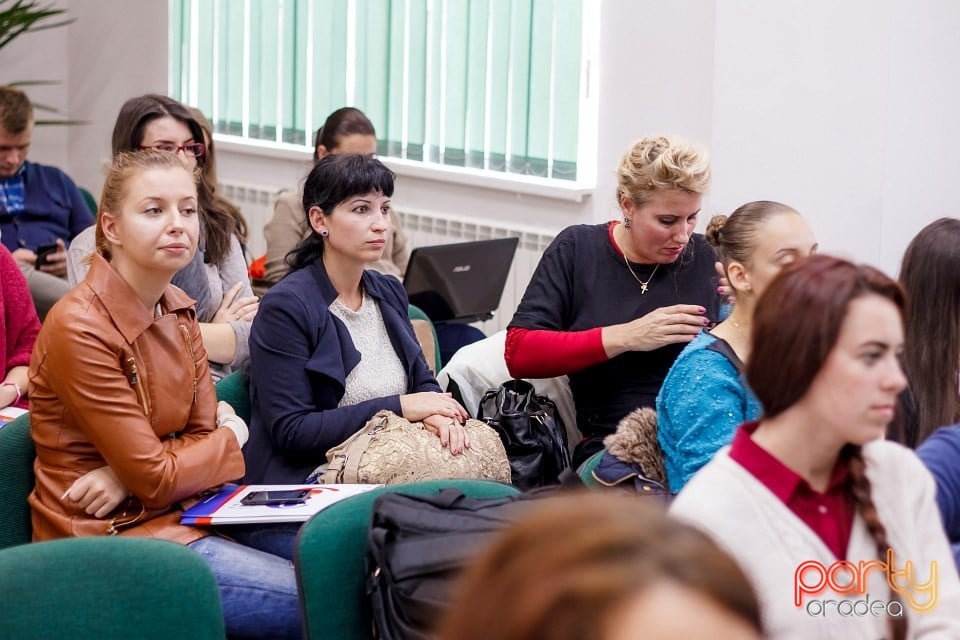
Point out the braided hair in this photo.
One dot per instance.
(806, 304)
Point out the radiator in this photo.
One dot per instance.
(423, 228)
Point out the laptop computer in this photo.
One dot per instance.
(461, 282)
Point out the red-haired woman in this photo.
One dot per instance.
(820, 510)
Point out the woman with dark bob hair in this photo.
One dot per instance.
(618, 569)
(217, 276)
(823, 514)
(332, 344)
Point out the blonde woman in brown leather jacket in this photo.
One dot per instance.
(123, 410)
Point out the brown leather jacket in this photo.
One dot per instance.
(111, 384)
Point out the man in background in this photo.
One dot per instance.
(41, 209)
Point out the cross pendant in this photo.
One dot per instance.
(643, 288)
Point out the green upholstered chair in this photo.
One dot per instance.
(416, 313)
(330, 553)
(16, 482)
(108, 588)
(90, 200)
(235, 391)
(586, 469)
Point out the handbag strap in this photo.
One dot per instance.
(351, 463)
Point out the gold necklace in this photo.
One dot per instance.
(643, 285)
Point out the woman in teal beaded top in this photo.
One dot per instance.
(704, 397)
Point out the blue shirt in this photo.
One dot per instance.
(941, 454)
(53, 208)
(11, 193)
(700, 405)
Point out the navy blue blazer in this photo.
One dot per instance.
(300, 355)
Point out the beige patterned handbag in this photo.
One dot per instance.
(392, 450)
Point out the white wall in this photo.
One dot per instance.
(845, 110)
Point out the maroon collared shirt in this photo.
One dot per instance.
(829, 514)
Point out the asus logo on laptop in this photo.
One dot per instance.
(461, 268)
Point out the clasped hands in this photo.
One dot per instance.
(441, 415)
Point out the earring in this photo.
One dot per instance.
(324, 233)
(626, 222)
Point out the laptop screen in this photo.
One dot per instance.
(462, 281)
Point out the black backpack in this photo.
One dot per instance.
(531, 431)
(416, 547)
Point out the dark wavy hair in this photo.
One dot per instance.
(334, 179)
(135, 115)
(796, 324)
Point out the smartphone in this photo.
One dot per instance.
(286, 497)
(43, 251)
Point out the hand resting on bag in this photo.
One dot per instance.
(450, 432)
(417, 406)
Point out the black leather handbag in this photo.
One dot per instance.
(531, 430)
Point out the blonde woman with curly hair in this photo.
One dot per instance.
(612, 305)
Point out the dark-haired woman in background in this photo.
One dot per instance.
(814, 483)
(346, 130)
(930, 274)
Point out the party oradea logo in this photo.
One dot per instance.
(840, 588)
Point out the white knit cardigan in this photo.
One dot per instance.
(769, 542)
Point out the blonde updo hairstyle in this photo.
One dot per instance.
(660, 164)
(734, 237)
(124, 167)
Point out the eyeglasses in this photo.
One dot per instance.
(193, 149)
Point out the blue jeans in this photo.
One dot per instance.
(258, 590)
(275, 538)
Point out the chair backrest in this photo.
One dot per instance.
(426, 342)
(107, 588)
(586, 469)
(330, 553)
(235, 391)
(17, 455)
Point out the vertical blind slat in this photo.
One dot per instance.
(485, 84)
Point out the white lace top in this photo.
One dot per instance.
(380, 372)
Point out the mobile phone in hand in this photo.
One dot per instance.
(285, 497)
(43, 253)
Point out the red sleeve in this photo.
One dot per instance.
(543, 353)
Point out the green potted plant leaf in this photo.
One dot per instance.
(18, 17)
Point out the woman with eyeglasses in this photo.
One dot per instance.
(217, 276)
